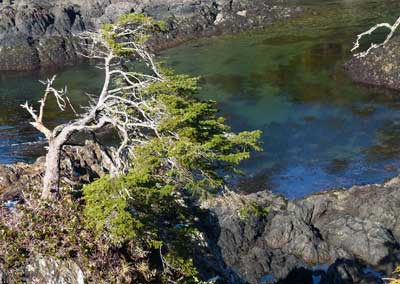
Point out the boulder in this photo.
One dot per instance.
(381, 67)
(45, 269)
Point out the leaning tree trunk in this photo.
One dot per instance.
(51, 182)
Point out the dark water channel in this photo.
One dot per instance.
(320, 129)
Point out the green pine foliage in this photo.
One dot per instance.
(194, 152)
(253, 210)
(144, 26)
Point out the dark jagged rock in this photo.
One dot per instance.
(345, 271)
(14, 178)
(37, 33)
(3, 277)
(347, 229)
(83, 164)
(381, 67)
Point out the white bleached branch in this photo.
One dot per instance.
(392, 29)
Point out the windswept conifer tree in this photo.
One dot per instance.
(164, 132)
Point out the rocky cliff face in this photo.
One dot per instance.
(39, 33)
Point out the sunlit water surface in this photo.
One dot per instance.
(320, 130)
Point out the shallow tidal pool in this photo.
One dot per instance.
(320, 130)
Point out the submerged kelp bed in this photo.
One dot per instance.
(320, 129)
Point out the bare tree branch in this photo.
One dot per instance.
(392, 29)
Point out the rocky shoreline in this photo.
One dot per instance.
(36, 34)
(337, 236)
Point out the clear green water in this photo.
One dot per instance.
(320, 129)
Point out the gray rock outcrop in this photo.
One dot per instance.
(381, 67)
(80, 165)
(348, 231)
(45, 269)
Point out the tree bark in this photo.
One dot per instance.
(51, 181)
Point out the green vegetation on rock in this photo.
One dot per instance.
(253, 209)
